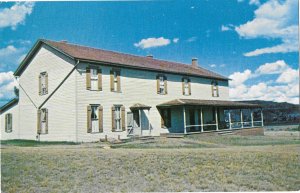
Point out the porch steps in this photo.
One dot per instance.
(228, 132)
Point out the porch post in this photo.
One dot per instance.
(242, 118)
(201, 113)
(184, 120)
(262, 117)
(140, 119)
(229, 119)
(252, 122)
(217, 122)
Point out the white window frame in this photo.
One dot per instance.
(115, 80)
(43, 83)
(186, 86)
(94, 78)
(118, 121)
(215, 89)
(161, 84)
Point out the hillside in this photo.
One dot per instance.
(276, 113)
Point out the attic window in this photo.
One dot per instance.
(43, 83)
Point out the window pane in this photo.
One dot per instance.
(94, 114)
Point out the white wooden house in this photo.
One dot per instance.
(69, 92)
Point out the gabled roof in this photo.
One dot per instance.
(8, 105)
(139, 106)
(89, 54)
(215, 103)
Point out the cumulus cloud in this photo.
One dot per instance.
(254, 2)
(192, 39)
(284, 89)
(7, 84)
(175, 40)
(213, 65)
(15, 15)
(152, 42)
(273, 20)
(10, 57)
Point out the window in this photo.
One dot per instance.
(115, 84)
(43, 83)
(43, 121)
(161, 84)
(94, 118)
(8, 122)
(215, 88)
(118, 118)
(93, 78)
(166, 118)
(186, 86)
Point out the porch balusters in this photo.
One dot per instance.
(252, 122)
(201, 113)
(184, 120)
(229, 119)
(262, 117)
(217, 123)
(242, 123)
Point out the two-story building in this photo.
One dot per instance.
(69, 92)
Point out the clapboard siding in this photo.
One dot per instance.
(14, 110)
(61, 105)
(137, 86)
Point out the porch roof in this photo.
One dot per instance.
(139, 106)
(216, 103)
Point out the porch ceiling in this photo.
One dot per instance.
(215, 103)
(139, 106)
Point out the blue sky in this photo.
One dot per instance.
(253, 42)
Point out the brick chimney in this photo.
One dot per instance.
(195, 62)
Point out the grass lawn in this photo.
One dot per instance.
(220, 163)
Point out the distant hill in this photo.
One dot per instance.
(276, 113)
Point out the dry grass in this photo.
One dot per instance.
(74, 169)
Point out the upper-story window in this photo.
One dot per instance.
(93, 78)
(162, 84)
(115, 81)
(186, 86)
(43, 83)
(215, 88)
(8, 122)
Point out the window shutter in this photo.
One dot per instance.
(39, 121)
(212, 88)
(123, 118)
(89, 121)
(113, 125)
(46, 80)
(166, 85)
(46, 111)
(162, 122)
(6, 122)
(182, 84)
(190, 88)
(217, 87)
(157, 84)
(119, 81)
(99, 79)
(88, 78)
(112, 88)
(40, 85)
(100, 118)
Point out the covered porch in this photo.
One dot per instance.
(196, 116)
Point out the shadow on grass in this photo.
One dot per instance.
(33, 143)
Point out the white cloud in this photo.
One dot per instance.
(7, 84)
(254, 2)
(192, 39)
(225, 28)
(284, 89)
(272, 68)
(9, 50)
(15, 15)
(10, 56)
(273, 19)
(222, 65)
(175, 40)
(289, 76)
(152, 42)
(239, 78)
(213, 65)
